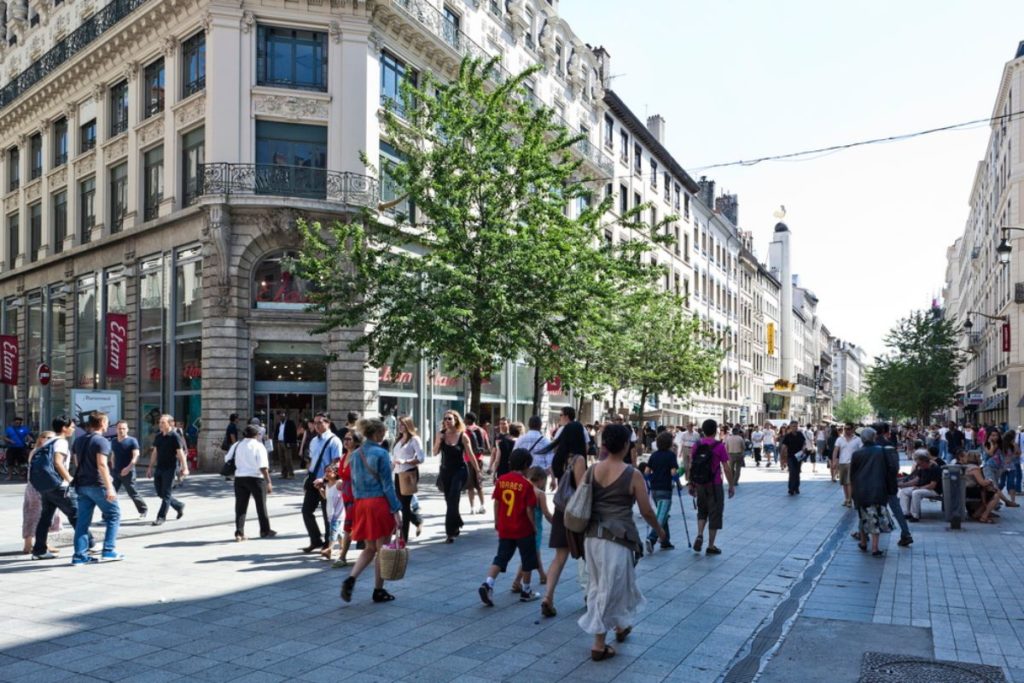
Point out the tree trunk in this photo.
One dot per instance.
(476, 380)
(537, 380)
(640, 411)
(579, 406)
(615, 401)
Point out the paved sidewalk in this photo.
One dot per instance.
(190, 604)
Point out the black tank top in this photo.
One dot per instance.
(451, 455)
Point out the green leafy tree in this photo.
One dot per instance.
(479, 261)
(852, 408)
(918, 373)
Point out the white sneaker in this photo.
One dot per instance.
(648, 547)
(45, 556)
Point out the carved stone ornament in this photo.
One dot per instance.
(130, 70)
(248, 21)
(116, 148)
(11, 203)
(85, 164)
(60, 28)
(151, 132)
(71, 111)
(87, 8)
(334, 30)
(293, 106)
(277, 223)
(98, 91)
(206, 22)
(59, 177)
(170, 45)
(216, 236)
(191, 111)
(33, 191)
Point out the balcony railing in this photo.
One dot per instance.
(91, 29)
(353, 189)
(441, 27)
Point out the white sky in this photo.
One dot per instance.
(748, 78)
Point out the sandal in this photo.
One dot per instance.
(346, 588)
(987, 520)
(878, 553)
(547, 609)
(599, 655)
(381, 595)
(517, 588)
(863, 547)
(697, 543)
(621, 636)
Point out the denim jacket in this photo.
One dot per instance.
(367, 485)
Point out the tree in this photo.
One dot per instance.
(918, 373)
(478, 262)
(852, 408)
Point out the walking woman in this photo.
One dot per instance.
(452, 444)
(612, 544)
(350, 442)
(32, 505)
(252, 480)
(407, 456)
(376, 508)
(559, 538)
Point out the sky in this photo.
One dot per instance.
(737, 79)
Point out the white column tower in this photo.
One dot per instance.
(778, 255)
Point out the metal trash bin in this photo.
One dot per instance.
(954, 495)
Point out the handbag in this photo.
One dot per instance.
(393, 560)
(580, 506)
(228, 470)
(565, 486)
(307, 483)
(408, 482)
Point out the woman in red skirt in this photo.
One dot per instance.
(377, 510)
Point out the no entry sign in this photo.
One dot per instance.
(44, 374)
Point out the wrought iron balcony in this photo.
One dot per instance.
(352, 189)
(91, 29)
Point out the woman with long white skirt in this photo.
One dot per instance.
(613, 544)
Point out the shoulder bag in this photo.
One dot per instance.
(307, 484)
(580, 507)
(565, 486)
(228, 470)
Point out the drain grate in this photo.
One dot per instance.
(879, 667)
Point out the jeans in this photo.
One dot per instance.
(256, 488)
(129, 487)
(663, 503)
(944, 449)
(1010, 479)
(408, 515)
(897, 512)
(90, 498)
(311, 500)
(452, 481)
(910, 500)
(163, 482)
(63, 499)
(793, 462)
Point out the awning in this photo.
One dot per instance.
(994, 402)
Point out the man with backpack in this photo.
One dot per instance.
(481, 444)
(707, 464)
(48, 474)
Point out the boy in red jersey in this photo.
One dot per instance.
(514, 503)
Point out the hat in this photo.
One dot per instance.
(255, 421)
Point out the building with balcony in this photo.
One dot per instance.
(992, 382)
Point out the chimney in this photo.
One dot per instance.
(604, 62)
(706, 192)
(729, 206)
(656, 124)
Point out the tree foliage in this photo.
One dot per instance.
(488, 265)
(918, 373)
(853, 408)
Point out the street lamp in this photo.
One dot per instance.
(1004, 248)
(968, 324)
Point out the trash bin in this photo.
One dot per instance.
(954, 495)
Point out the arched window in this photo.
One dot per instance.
(276, 287)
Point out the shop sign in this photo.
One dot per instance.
(390, 375)
(9, 359)
(975, 398)
(555, 386)
(1006, 337)
(117, 344)
(44, 374)
(84, 401)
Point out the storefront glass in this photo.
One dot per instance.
(188, 308)
(275, 287)
(86, 375)
(152, 313)
(34, 357)
(398, 391)
(55, 394)
(116, 302)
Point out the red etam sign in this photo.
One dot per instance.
(9, 359)
(117, 344)
(1006, 337)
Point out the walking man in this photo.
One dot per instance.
(285, 440)
(55, 490)
(757, 442)
(792, 448)
(167, 453)
(704, 479)
(846, 445)
(889, 450)
(735, 445)
(769, 443)
(684, 443)
(126, 455)
(323, 450)
(95, 489)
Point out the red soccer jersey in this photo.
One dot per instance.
(516, 497)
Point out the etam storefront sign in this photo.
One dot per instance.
(9, 359)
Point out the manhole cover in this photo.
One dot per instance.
(878, 667)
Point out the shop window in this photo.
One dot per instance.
(276, 287)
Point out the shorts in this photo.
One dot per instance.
(711, 504)
(374, 519)
(844, 473)
(472, 479)
(527, 552)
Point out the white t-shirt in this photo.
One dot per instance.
(847, 447)
(942, 433)
(969, 434)
(769, 437)
(757, 438)
(688, 439)
(535, 442)
(249, 456)
(335, 505)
